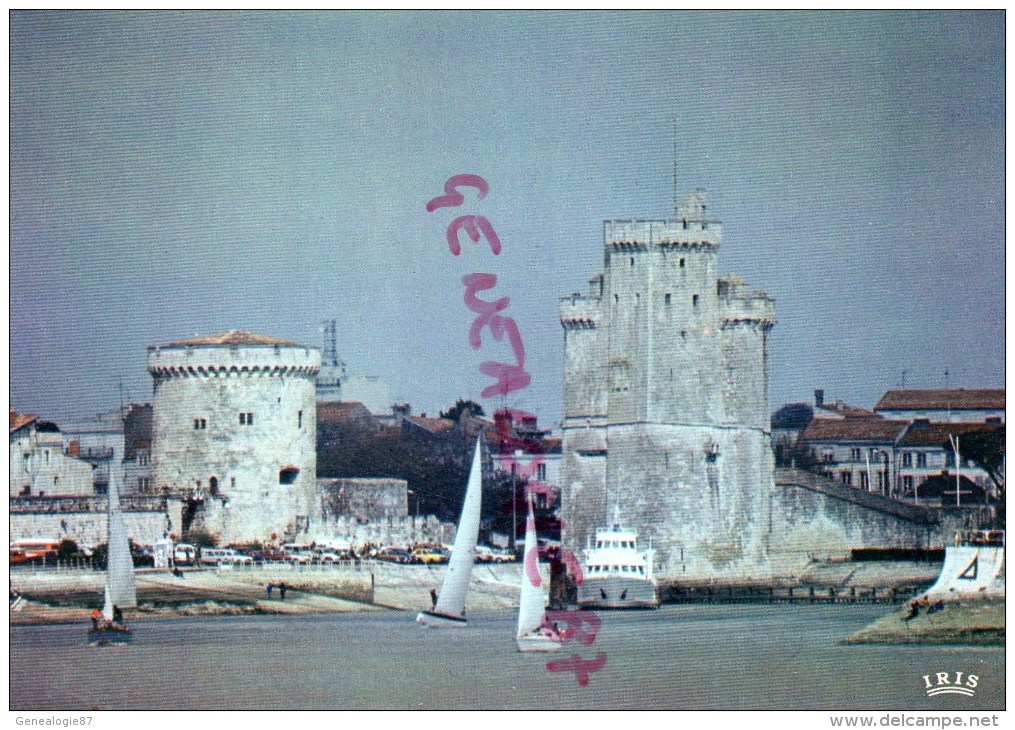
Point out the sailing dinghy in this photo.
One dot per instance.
(450, 607)
(534, 631)
(120, 590)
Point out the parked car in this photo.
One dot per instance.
(224, 556)
(272, 553)
(395, 555)
(332, 556)
(428, 555)
(486, 554)
(184, 554)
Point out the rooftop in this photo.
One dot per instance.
(20, 420)
(853, 429)
(232, 337)
(936, 434)
(939, 400)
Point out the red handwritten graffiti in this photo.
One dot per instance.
(510, 377)
(473, 225)
(581, 667)
(576, 621)
(453, 198)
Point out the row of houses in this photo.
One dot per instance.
(78, 459)
(909, 446)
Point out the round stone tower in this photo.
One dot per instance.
(234, 432)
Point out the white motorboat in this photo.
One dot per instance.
(617, 575)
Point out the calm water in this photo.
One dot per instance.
(679, 657)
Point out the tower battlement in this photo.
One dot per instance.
(666, 397)
(737, 305)
(645, 233)
(579, 312)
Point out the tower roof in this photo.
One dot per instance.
(232, 337)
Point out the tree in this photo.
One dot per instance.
(68, 550)
(461, 406)
(985, 448)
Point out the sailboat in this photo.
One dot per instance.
(120, 590)
(534, 634)
(449, 609)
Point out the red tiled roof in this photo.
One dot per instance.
(20, 420)
(434, 425)
(939, 400)
(936, 434)
(852, 429)
(337, 410)
(232, 337)
(845, 410)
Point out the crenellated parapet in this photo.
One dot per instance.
(738, 306)
(223, 371)
(630, 235)
(232, 359)
(579, 313)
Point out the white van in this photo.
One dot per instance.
(224, 556)
(184, 554)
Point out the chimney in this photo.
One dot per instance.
(819, 397)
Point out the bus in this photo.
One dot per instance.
(31, 548)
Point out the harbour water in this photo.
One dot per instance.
(683, 657)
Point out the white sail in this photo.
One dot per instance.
(532, 603)
(120, 589)
(451, 599)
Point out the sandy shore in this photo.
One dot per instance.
(970, 621)
(70, 596)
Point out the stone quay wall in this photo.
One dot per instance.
(84, 519)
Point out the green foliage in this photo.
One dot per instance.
(200, 538)
(985, 448)
(461, 406)
(68, 550)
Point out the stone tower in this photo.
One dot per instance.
(234, 429)
(666, 399)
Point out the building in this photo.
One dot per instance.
(98, 439)
(40, 466)
(234, 430)
(137, 450)
(957, 405)
(926, 456)
(666, 399)
(899, 459)
(856, 452)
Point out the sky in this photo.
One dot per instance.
(181, 173)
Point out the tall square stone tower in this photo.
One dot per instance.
(666, 399)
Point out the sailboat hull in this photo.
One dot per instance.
(103, 637)
(537, 642)
(440, 620)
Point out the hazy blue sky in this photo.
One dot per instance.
(175, 173)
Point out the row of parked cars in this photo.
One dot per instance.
(184, 554)
(430, 554)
